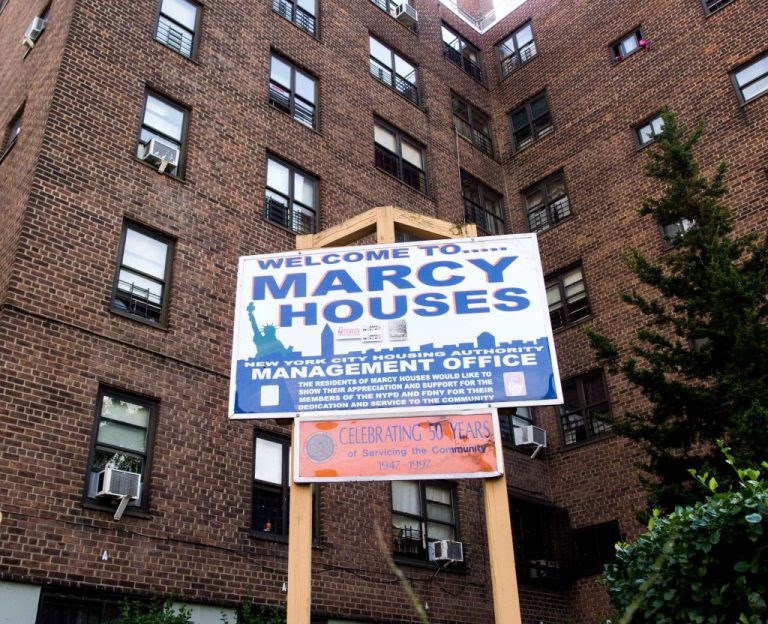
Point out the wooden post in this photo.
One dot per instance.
(383, 221)
(506, 601)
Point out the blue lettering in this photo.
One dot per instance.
(426, 273)
(465, 299)
(514, 303)
(270, 263)
(433, 302)
(494, 272)
(401, 308)
(296, 282)
(332, 311)
(336, 280)
(395, 274)
(287, 314)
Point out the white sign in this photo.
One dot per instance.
(409, 326)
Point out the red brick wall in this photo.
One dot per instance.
(75, 179)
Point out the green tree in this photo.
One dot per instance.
(155, 613)
(700, 357)
(702, 563)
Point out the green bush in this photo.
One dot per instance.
(702, 564)
(155, 613)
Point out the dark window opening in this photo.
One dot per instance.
(585, 409)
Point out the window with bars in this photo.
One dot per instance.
(142, 280)
(399, 155)
(482, 205)
(292, 91)
(269, 508)
(585, 408)
(166, 123)
(290, 197)
(472, 123)
(510, 418)
(710, 6)
(541, 535)
(530, 122)
(595, 546)
(546, 203)
(461, 52)
(422, 512)
(393, 70)
(122, 440)
(647, 132)
(300, 12)
(517, 49)
(751, 79)
(567, 297)
(629, 44)
(178, 23)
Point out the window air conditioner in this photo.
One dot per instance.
(33, 32)
(117, 483)
(446, 550)
(160, 154)
(406, 15)
(530, 435)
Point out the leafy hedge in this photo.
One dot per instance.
(702, 564)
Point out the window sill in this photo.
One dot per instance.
(749, 101)
(573, 324)
(456, 568)
(417, 104)
(405, 184)
(593, 440)
(278, 539)
(138, 319)
(503, 77)
(516, 151)
(615, 63)
(179, 179)
(551, 227)
(315, 35)
(7, 150)
(191, 59)
(133, 512)
(283, 113)
(284, 228)
(479, 149)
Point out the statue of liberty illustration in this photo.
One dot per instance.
(265, 339)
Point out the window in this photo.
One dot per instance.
(269, 511)
(546, 203)
(391, 6)
(12, 132)
(710, 6)
(530, 122)
(510, 418)
(648, 132)
(517, 49)
(166, 124)
(65, 607)
(459, 51)
(142, 282)
(292, 91)
(178, 25)
(482, 205)
(290, 197)
(393, 70)
(400, 156)
(672, 231)
(300, 12)
(628, 44)
(122, 440)
(585, 408)
(595, 546)
(473, 124)
(751, 80)
(422, 512)
(567, 298)
(541, 537)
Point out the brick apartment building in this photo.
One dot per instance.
(275, 117)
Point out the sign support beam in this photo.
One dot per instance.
(385, 221)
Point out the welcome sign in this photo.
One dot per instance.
(401, 327)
